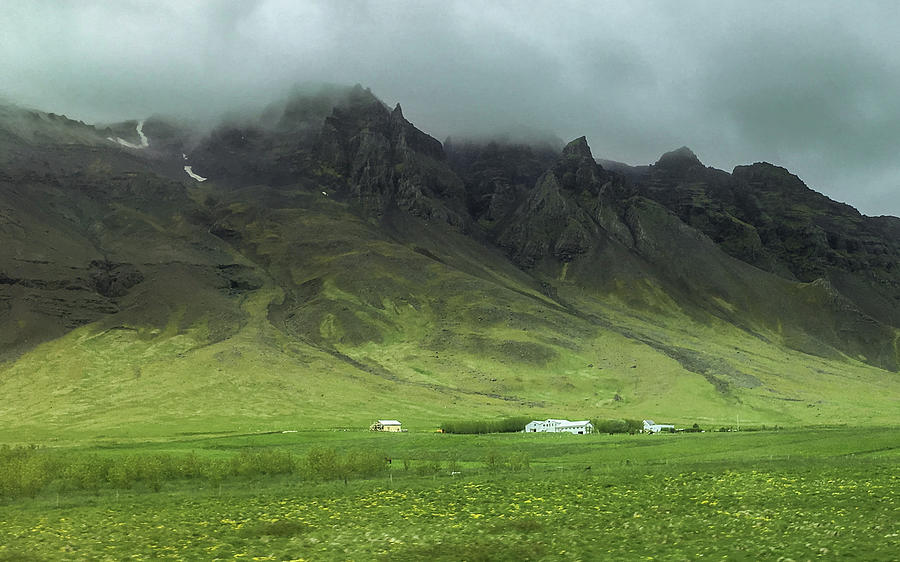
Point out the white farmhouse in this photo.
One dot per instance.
(559, 426)
(544, 426)
(651, 426)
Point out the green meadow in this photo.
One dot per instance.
(813, 493)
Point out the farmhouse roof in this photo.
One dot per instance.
(389, 422)
(574, 423)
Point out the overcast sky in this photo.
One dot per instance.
(810, 85)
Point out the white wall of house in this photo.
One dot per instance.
(576, 427)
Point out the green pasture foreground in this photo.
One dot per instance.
(799, 494)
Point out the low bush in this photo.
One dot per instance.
(496, 461)
(24, 471)
(263, 462)
(427, 467)
(324, 463)
(617, 426)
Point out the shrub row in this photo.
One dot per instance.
(506, 425)
(25, 471)
(617, 426)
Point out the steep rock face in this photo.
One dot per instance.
(766, 216)
(274, 148)
(707, 199)
(808, 231)
(569, 206)
(549, 223)
(816, 237)
(242, 154)
(92, 235)
(497, 174)
(386, 161)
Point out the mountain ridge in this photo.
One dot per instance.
(491, 276)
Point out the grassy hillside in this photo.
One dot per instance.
(356, 320)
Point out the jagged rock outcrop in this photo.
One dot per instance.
(386, 161)
(497, 174)
(548, 223)
(566, 211)
(816, 237)
(707, 199)
(113, 279)
(766, 216)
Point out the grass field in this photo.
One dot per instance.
(789, 494)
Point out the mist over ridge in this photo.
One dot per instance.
(805, 87)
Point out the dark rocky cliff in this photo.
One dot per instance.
(766, 216)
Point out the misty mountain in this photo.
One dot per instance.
(335, 246)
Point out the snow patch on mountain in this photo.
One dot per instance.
(190, 172)
(145, 142)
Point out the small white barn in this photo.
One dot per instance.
(651, 426)
(560, 426)
(386, 425)
(576, 427)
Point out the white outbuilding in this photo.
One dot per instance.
(386, 425)
(651, 426)
(575, 427)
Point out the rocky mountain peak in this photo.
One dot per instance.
(386, 162)
(680, 159)
(578, 147)
(360, 94)
(577, 170)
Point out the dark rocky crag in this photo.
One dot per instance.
(570, 205)
(387, 162)
(497, 174)
(766, 216)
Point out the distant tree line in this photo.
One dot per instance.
(505, 425)
(617, 426)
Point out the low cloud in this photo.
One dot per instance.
(806, 85)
